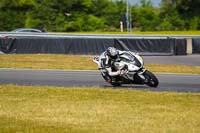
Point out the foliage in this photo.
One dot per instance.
(146, 17)
(98, 15)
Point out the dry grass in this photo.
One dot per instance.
(85, 110)
(144, 33)
(169, 33)
(47, 61)
(172, 68)
(76, 62)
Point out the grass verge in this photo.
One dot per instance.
(85, 110)
(76, 62)
(143, 33)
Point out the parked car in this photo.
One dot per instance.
(3, 36)
(28, 30)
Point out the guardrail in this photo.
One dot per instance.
(115, 36)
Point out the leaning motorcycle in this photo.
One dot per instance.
(132, 66)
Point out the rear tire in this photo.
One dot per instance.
(150, 79)
(108, 79)
(116, 84)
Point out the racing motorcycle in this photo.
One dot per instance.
(132, 66)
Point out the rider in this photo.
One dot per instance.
(108, 57)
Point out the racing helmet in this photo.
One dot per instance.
(112, 52)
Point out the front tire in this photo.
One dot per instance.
(150, 79)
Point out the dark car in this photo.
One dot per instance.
(28, 30)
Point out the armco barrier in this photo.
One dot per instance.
(92, 45)
(196, 45)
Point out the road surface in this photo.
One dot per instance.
(168, 82)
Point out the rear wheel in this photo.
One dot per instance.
(106, 77)
(110, 80)
(115, 84)
(150, 79)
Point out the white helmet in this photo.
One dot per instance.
(112, 52)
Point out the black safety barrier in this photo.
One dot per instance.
(147, 46)
(92, 46)
(180, 47)
(7, 45)
(196, 45)
(62, 46)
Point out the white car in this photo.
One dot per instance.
(27, 30)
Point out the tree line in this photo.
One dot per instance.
(98, 15)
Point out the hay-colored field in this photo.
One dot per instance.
(76, 62)
(47, 61)
(96, 110)
(143, 32)
(168, 33)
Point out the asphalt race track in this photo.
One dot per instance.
(168, 82)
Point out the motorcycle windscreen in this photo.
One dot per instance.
(137, 62)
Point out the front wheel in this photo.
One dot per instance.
(150, 79)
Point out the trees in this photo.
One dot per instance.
(12, 13)
(98, 15)
(65, 15)
(146, 17)
(180, 14)
(189, 11)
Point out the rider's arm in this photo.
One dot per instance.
(112, 73)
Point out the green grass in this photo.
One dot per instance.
(89, 110)
(77, 62)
